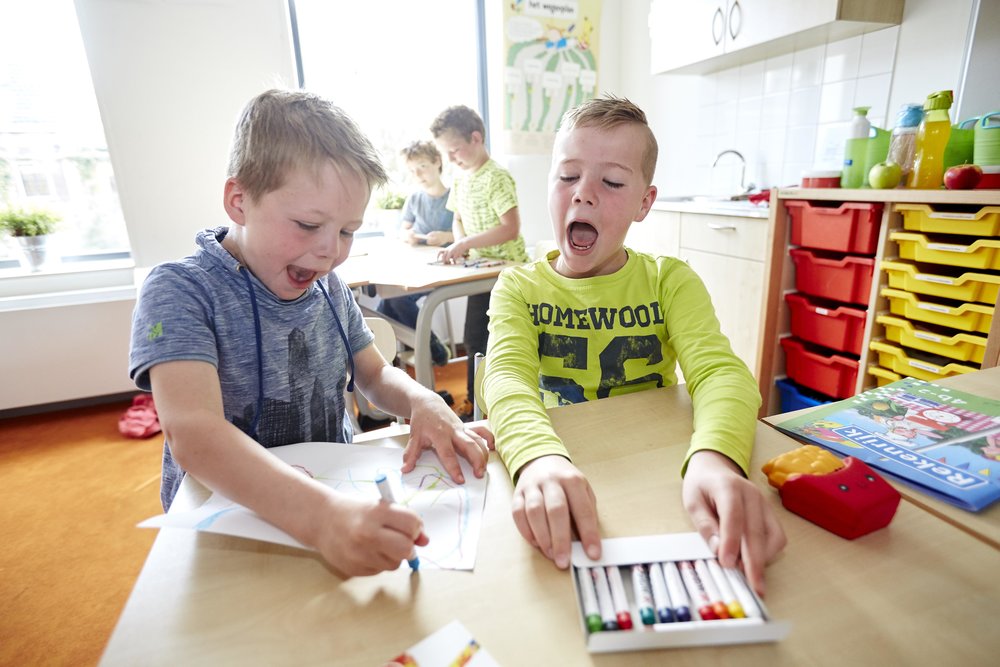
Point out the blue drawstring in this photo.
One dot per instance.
(343, 335)
(260, 347)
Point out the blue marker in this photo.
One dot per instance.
(682, 604)
(382, 482)
(661, 598)
(643, 595)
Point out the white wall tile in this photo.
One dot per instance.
(878, 51)
(803, 106)
(807, 67)
(799, 144)
(706, 120)
(831, 141)
(836, 101)
(774, 111)
(873, 91)
(842, 60)
(727, 85)
(752, 79)
(778, 74)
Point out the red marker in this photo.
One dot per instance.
(699, 596)
(708, 583)
(618, 598)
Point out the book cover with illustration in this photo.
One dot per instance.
(941, 441)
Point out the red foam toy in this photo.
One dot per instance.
(850, 502)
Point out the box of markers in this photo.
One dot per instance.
(662, 591)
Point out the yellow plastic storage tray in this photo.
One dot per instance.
(973, 317)
(923, 218)
(897, 359)
(883, 376)
(960, 347)
(981, 287)
(980, 254)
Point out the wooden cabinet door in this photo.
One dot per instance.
(736, 286)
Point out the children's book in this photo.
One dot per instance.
(943, 442)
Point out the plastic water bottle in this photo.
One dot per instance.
(902, 145)
(854, 175)
(932, 138)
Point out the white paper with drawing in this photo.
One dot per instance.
(452, 513)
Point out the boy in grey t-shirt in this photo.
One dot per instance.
(251, 340)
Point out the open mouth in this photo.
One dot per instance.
(301, 277)
(582, 235)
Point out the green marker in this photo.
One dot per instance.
(589, 598)
(643, 595)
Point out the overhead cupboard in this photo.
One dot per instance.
(698, 36)
(865, 287)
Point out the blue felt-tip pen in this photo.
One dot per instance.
(664, 609)
(382, 482)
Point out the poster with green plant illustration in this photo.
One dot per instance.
(551, 52)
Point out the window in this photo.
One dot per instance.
(53, 153)
(393, 66)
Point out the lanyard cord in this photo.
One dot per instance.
(260, 352)
(343, 335)
(260, 348)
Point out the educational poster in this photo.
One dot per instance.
(452, 513)
(551, 49)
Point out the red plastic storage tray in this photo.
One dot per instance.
(833, 375)
(837, 327)
(851, 227)
(838, 277)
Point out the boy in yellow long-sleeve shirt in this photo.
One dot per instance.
(594, 319)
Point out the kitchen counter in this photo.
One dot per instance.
(710, 206)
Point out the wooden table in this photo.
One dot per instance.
(985, 524)
(393, 268)
(919, 592)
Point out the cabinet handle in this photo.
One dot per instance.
(735, 12)
(718, 26)
(721, 228)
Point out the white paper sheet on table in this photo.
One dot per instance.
(452, 513)
(451, 645)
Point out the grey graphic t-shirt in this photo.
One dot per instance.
(199, 308)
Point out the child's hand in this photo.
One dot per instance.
(438, 238)
(359, 536)
(407, 235)
(732, 515)
(454, 253)
(551, 497)
(434, 426)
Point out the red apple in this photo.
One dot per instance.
(962, 177)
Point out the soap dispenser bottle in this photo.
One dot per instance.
(853, 175)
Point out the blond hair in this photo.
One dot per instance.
(425, 149)
(609, 112)
(280, 130)
(461, 119)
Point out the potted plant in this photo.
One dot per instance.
(31, 228)
(388, 204)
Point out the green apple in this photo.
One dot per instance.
(885, 175)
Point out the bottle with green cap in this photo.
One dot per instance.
(932, 138)
(853, 175)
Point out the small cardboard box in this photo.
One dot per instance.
(627, 551)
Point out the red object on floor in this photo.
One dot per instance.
(140, 420)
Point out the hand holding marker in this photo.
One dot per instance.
(382, 482)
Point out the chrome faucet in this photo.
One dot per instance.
(744, 189)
